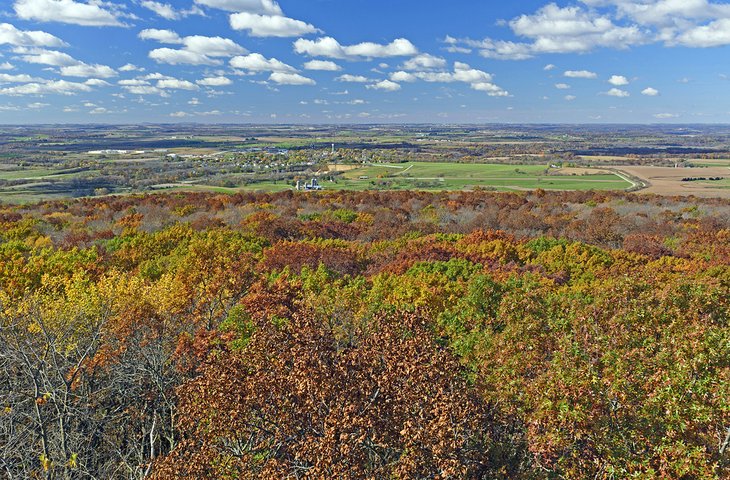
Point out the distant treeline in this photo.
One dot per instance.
(701, 179)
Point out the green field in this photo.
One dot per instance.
(456, 176)
(26, 173)
(404, 176)
(715, 162)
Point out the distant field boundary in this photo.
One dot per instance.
(637, 184)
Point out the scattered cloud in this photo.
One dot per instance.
(284, 78)
(385, 85)
(664, 116)
(49, 57)
(136, 82)
(168, 12)
(267, 7)
(423, 61)
(617, 24)
(255, 62)
(618, 80)
(714, 34)
(176, 84)
(617, 92)
(181, 57)
(453, 45)
(69, 66)
(162, 36)
(477, 79)
(88, 71)
(59, 87)
(93, 14)
(215, 81)
(580, 74)
(352, 78)
(146, 90)
(554, 29)
(21, 78)
(10, 35)
(577, 27)
(131, 68)
(97, 82)
(197, 49)
(329, 47)
(270, 25)
(212, 46)
(665, 14)
(322, 65)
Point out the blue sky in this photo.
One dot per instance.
(364, 61)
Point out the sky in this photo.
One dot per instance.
(364, 61)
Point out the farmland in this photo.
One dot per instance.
(46, 163)
(447, 176)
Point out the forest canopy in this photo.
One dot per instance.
(366, 335)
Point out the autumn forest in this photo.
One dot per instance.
(366, 335)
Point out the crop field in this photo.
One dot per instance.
(669, 181)
(25, 174)
(455, 176)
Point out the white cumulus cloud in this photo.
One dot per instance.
(284, 78)
(462, 72)
(168, 12)
(255, 62)
(10, 35)
(197, 49)
(57, 87)
(329, 47)
(49, 57)
(88, 71)
(322, 65)
(130, 68)
(215, 81)
(176, 84)
(268, 7)
(580, 74)
(714, 34)
(212, 46)
(91, 14)
(162, 36)
(352, 78)
(423, 61)
(617, 92)
(69, 66)
(387, 85)
(650, 92)
(270, 25)
(21, 78)
(618, 80)
(181, 57)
